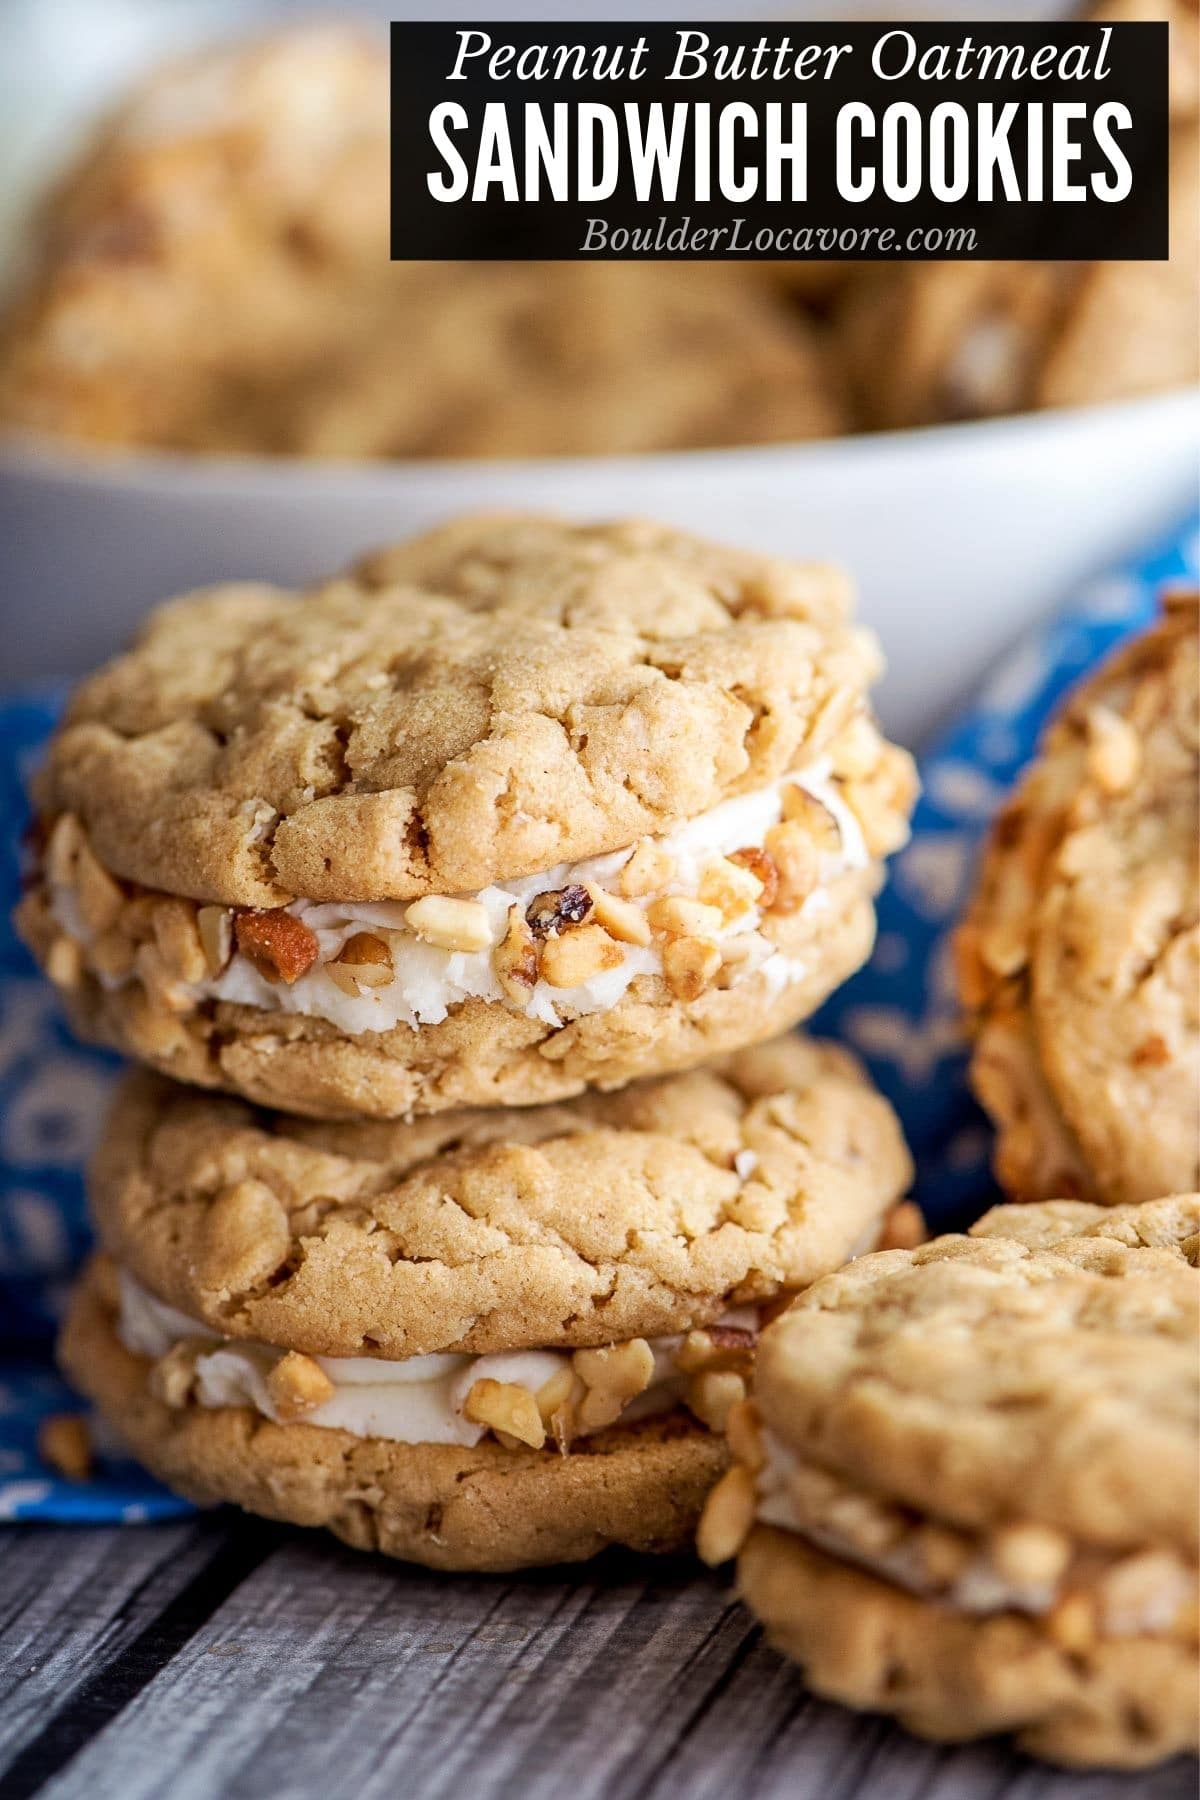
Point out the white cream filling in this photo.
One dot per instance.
(428, 981)
(417, 1400)
(980, 1587)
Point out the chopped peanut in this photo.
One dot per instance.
(792, 851)
(215, 925)
(612, 1377)
(162, 988)
(98, 897)
(556, 1392)
(364, 962)
(280, 946)
(1072, 1623)
(112, 955)
(940, 1554)
(713, 1394)
(855, 750)
(64, 963)
(173, 1376)
(727, 1517)
(177, 939)
(620, 918)
(64, 1442)
(1114, 754)
(450, 924)
(62, 850)
(685, 918)
(762, 866)
(745, 1438)
(1030, 1553)
(731, 887)
(297, 1385)
(578, 955)
(648, 870)
(802, 808)
(690, 964)
(503, 1407)
(515, 959)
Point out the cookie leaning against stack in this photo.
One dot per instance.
(514, 809)
(471, 1340)
(966, 1491)
(1080, 957)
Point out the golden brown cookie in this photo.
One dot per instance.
(1079, 956)
(964, 340)
(640, 1213)
(484, 1507)
(214, 275)
(966, 1487)
(514, 808)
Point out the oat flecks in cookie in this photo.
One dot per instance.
(613, 1217)
(972, 1476)
(496, 697)
(1080, 957)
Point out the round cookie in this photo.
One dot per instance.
(644, 1212)
(966, 1484)
(214, 275)
(449, 1507)
(1078, 958)
(515, 808)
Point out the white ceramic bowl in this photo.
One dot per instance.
(957, 536)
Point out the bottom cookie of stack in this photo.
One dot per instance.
(964, 1492)
(484, 1340)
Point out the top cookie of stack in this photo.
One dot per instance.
(512, 809)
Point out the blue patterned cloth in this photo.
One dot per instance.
(899, 1013)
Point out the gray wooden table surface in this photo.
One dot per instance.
(224, 1657)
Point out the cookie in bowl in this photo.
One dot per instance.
(483, 1340)
(515, 808)
(965, 1491)
(1079, 959)
(215, 276)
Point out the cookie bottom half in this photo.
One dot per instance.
(486, 1509)
(1111, 1703)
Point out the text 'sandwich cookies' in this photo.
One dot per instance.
(512, 809)
(966, 1486)
(483, 1340)
(1080, 957)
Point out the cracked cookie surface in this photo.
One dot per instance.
(1080, 955)
(643, 1212)
(487, 1508)
(966, 1483)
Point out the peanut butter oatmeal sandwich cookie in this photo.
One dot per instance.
(478, 1340)
(514, 808)
(965, 1488)
(1080, 957)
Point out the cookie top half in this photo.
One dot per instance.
(489, 700)
(1080, 957)
(638, 1213)
(1040, 1371)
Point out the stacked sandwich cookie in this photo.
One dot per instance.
(966, 1487)
(490, 869)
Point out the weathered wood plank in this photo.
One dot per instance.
(326, 1673)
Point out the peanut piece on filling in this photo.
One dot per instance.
(791, 848)
(297, 1385)
(577, 956)
(450, 924)
(620, 918)
(64, 963)
(648, 869)
(173, 1376)
(514, 960)
(97, 895)
(689, 966)
(613, 1377)
(761, 865)
(744, 1435)
(1114, 755)
(506, 1409)
(62, 850)
(363, 962)
(177, 939)
(685, 918)
(215, 925)
(855, 750)
(732, 887)
(280, 946)
(1030, 1553)
(713, 1394)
